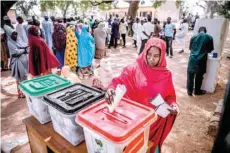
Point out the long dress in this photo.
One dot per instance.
(180, 36)
(144, 83)
(100, 36)
(4, 52)
(140, 30)
(59, 42)
(41, 58)
(86, 47)
(71, 47)
(19, 59)
(86, 51)
(47, 26)
(135, 26)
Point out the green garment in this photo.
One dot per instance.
(91, 23)
(200, 45)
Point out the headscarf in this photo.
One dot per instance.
(154, 42)
(86, 47)
(140, 77)
(41, 58)
(11, 42)
(144, 83)
(59, 37)
(8, 21)
(100, 35)
(8, 30)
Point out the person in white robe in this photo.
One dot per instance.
(140, 29)
(100, 37)
(180, 36)
(20, 29)
(47, 26)
(135, 30)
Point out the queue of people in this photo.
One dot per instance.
(35, 49)
(76, 43)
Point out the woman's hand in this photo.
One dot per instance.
(175, 109)
(109, 96)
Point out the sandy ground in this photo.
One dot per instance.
(189, 134)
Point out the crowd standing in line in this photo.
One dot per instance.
(76, 41)
(37, 49)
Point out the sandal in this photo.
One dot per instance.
(20, 95)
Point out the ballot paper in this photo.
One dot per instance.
(119, 93)
(161, 106)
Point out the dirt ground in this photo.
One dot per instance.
(189, 134)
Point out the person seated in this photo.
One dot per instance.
(144, 80)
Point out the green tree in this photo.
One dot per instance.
(211, 7)
(78, 5)
(51, 5)
(158, 3)
(224, 9)
(47, 5)
(105, 6)
(25, 7)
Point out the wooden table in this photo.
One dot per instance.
(43, 139)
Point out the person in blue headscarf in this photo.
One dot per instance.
(86, 51)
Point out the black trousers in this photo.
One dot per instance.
(123, 38)
(169, 49)
(143, 42)
(198, 77)
(135, 43)
(113, 41)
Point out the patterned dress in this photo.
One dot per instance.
(71, 47)
(4, 54)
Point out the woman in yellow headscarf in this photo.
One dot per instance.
(71, 47)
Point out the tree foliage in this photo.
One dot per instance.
(78, 5)
(211, 7)
(63, 5)
(158, 3)
(25, 7)
(224, 9)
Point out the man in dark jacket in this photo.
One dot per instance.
(200, 45)
(115, 33)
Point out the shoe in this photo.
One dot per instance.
(181, 51)
(170, 56)
(189, 93)
(167, 54)
(201, 92)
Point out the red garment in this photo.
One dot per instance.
(143, 83)
(41, 58)
(59, 37)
